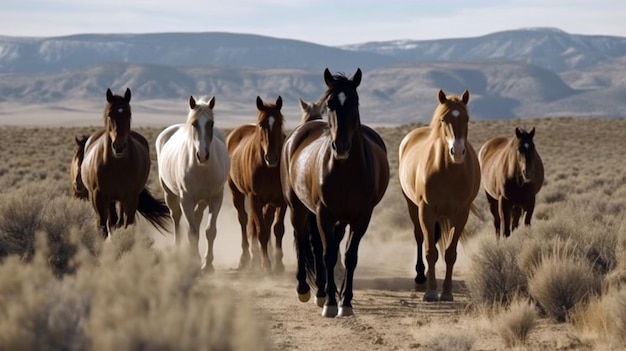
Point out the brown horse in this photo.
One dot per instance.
(115, 169)
(440, 177)
(254, 151)
(512, 175)
(333, 174)
(312, 110)
(78, 188)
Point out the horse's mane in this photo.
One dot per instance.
(453, 103)
(202, 107)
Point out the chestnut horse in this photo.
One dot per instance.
(115, 170)
(333, 174)
(254, 150)
(512, 175)
(440, 177)
(193, 166)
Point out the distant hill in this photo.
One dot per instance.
(513, 74)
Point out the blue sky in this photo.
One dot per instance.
(324, 22)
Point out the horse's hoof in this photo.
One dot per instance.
(304, 297)
(207, 268)
(446, 297)
(320, 301)
(279, 267)
(431, 296)
(420, 279)
(345, 311)
(329, 311)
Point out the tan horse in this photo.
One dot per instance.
(440, 177)
(311, 110)
(115, 170)
(254, 150)
(512, 175)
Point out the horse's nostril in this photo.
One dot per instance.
(333, 145)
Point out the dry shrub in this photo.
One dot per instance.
(561, 283)
(131, 299)
(495, 276)
(450, 340)
(515, 323)
(36, 210)
(604, 318)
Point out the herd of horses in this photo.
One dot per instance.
(330, 172)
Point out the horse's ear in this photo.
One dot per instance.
(279, 102)
(356, 79)
(328, 77)
(77, 140)
(465, 97)
(441, 96)
(259, 103)
(192, 102)
(518, 133)
(532, 133)
(109, 95)
(303, 105)
(127, 95)
(212, 102)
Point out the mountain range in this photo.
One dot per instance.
(526, 73)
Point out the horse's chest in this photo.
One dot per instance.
(346, 196)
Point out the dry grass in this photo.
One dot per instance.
(65, 289)
(516, 322)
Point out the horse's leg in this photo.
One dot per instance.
(114, 220)
(505, 208)
(427, 223)
(258, 233)
(530, 208)
(318, 259)
(330, 246)
(129, 210)
(458, 224)
(516, 214)
(102, 206)
(299, 214)
(279, 232)
(495, 211)
(173, 203)
(215, 204)
(420, 268)
(239, 201)
(189, 206)
(340, 269)
(262, 232)
(356, 233)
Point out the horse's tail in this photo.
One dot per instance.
(154, 210)
(443, 230)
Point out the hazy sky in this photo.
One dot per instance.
(324, 22)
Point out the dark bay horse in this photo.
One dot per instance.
(512, 175)
(440, 177)
(254, 151)
(115, 169)
(333, 174)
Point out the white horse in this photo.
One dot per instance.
(193, 168)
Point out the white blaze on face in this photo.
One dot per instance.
(526, 146)
(203, 147)
(342, 98)
(456, 113)
(270, 122)
(456, 148)
(120, 110)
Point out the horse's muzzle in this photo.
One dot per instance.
(341, 150)
(202, 156)
(118, 150)
(271, 161)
